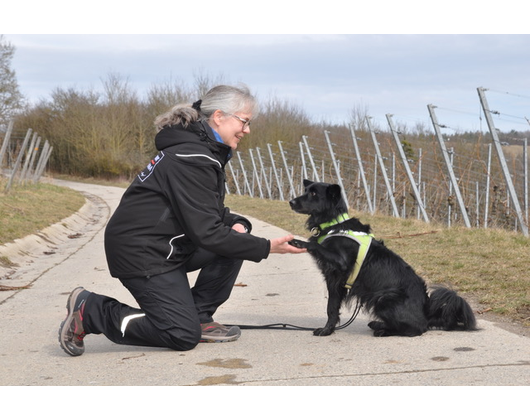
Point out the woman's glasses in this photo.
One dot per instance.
(246, 123)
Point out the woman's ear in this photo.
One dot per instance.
(217, 117)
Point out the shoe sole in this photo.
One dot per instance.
(217, 340)
(66, 345)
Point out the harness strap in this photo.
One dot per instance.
(363, 239)
(341, 218)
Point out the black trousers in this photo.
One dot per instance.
(170, 313)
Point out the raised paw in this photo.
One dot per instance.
(298, 243)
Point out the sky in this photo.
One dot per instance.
(327, 74)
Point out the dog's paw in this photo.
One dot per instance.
(379, 328)
(376, 325)
(322, 332)
(298, 243)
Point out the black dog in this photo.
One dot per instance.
(386, 285)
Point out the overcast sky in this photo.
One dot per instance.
(326, 75)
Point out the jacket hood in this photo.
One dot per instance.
(177, 134)
(198, 133)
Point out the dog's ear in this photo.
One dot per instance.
(307, 183)
(333, 192)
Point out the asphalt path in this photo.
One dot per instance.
(285, 289)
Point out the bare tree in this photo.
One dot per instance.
(358, 116)
(11, 100)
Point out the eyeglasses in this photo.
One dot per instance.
(246, 123)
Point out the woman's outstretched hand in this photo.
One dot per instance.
(281, 246)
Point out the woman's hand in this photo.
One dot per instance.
(238, 227)
(280, 246)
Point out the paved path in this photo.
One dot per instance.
(283, 288)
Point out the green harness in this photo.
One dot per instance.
(362, 238)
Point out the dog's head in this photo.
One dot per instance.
(319, 199)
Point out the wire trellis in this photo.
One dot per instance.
(449, 181)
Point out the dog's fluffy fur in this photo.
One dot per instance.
(386, 286)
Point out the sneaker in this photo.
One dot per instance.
(71, 331)
(213, 332)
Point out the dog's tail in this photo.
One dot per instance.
(448, 311)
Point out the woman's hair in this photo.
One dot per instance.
(228, 99)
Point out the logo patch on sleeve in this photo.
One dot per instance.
(146, 173)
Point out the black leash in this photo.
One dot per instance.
(282, 326)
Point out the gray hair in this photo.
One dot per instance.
(228, 99)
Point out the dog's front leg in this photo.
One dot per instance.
(334, 303)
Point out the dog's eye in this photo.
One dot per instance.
(313, 193)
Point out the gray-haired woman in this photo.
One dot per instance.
(170, 221)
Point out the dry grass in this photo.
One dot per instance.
(489, 265)
(27, 210)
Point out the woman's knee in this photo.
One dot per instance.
(184, 339)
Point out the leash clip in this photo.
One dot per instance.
(315, 231)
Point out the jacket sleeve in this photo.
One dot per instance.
(193, 193)
(230, 219)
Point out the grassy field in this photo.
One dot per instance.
(26, 210)
(488, 265)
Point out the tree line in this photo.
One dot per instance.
(110, 133)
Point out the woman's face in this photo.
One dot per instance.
(231, 127)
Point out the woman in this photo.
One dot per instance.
(170, 221)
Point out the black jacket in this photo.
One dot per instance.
(174, 206)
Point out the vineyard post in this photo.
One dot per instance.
(500, 154)
(449, 166)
